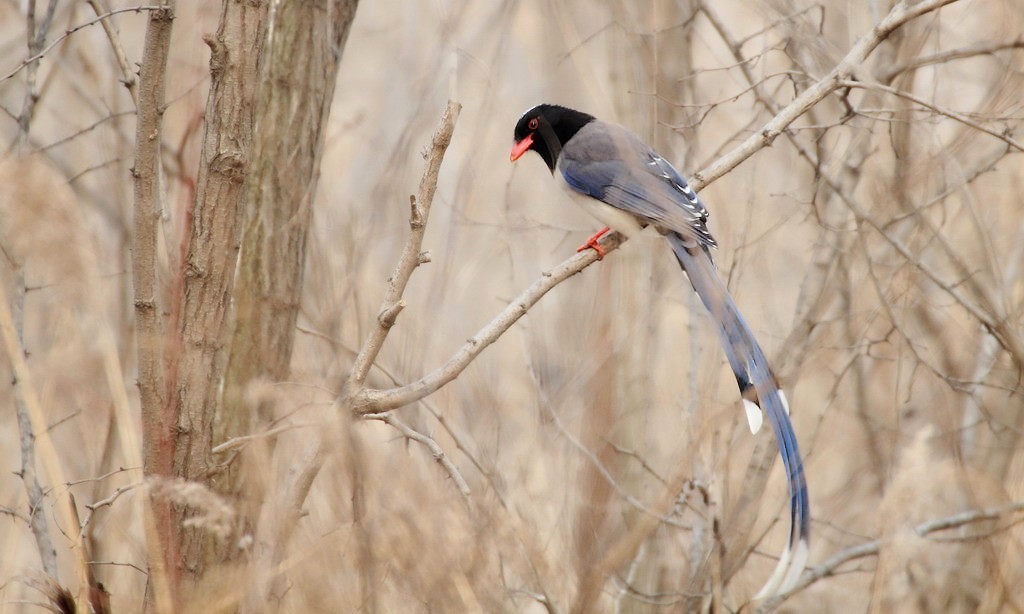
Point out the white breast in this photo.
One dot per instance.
(610, 216)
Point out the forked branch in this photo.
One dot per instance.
(834, 80)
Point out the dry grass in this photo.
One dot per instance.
(867, 299)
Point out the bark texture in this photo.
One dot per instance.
(302, 66)
(301, 71)
(212, 255)
(157, 421)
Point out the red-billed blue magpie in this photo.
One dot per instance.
(627, 186)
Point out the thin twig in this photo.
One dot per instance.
(100, 478)
(238, 442)
(127, 74)
(463, 447)
(953, 54)
(13, 513)
(39, 55)
(609, 478)
(899, 15)
(121, 564)
(435, 449)
(963, 119)
(602, 470)
(36, 38)
(106, 502)
(459, 440)
(78, 133)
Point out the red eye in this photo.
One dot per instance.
(533, 124)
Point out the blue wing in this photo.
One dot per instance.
(613, 165)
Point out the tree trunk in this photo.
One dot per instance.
(213, 238)
(301, 68)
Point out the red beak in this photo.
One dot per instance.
(521, 147)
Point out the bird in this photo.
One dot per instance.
(626, 185)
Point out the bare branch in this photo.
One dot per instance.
(39, 55)
(371, 401)
(36, 39)
(239, 442)
(963, 119)
(992, 321)
(410, 258)
(106, 502)
(600, 466)
(457, 438)
(304, 472)
(899, 15)
(127, 74)
(435, 450)
(34, 492)
(871, 548)
(953, 54)
(44, 442)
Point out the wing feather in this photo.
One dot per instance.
(613, 165)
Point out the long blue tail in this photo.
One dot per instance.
(761, 393)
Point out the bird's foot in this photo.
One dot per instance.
(592, 243)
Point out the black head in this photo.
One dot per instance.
(545, 129)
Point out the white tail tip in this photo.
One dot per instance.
(787, 572)
(754, 416)
(785, 401)
(796, 566)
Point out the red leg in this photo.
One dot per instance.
(592, 243)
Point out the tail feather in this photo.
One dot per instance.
(761, 394)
